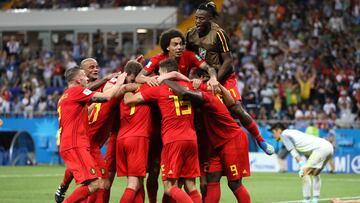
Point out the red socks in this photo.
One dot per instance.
(68, 177)
(96, 197)
(128, 196)
(242, 195)
(78, 195)
(107, 196)
(195, 196)
(179, 196)
(213, 192)
(140, 196)
(152, 188)
(254, 131)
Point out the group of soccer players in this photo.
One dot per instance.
(147, 114)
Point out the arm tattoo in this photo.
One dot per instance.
(98, 99)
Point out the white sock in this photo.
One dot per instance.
(306, 187)
(316, 186)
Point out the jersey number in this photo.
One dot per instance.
(94, 113)
(234, 170)
(179, 104)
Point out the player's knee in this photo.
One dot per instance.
(134, 183)
(233, 185)
(213, 177)
(167, 187)
(190, 185)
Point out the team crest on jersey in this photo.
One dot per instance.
(202, 53)
(92, 171)
(87, 92)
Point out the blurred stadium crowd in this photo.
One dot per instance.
(295, 60)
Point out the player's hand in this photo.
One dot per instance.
(301, 173)
(301, 166)
(140, 59)
(121, 78)
(196, 83)
(266, 147)
(152, 81)
(214, 84)
(112, 75)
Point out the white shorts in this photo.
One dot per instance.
(319, 157)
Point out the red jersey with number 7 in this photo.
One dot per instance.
(73, 117)
(177, 115)
(135, 120)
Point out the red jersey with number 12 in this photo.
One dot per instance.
(177, 115)
(73, 118)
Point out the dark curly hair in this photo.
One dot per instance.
(166, 37)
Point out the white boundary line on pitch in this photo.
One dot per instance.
(324, 199)
(29, 176)
(326, 179)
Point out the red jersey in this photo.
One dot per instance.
(188, 60)
(73, 118)
(135, 120)
(219, 124)
(177, 115)
(101, 121)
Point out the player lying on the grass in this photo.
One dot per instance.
(317, 151)
(210, 42)
(229, 142)
(179, 156)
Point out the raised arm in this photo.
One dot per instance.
(100, 97)
(184, 93)
(143, 77)
(96, 84)
(172, 75)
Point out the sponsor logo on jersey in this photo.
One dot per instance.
(202, 53)
(87, 92)
(92, 171)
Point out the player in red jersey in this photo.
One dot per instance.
(172, 45)
(91, 68)
(179, 156)
(73, 127)
(133, 141)
(211, 43)
(229, 142)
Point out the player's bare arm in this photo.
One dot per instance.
(101, 97)
(172, 75)
(130, 98)
(144, 77)
(184, 93)
(228, 99)
(97, 83)
(226, 67)
(213, 82)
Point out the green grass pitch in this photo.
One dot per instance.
(38, 184)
